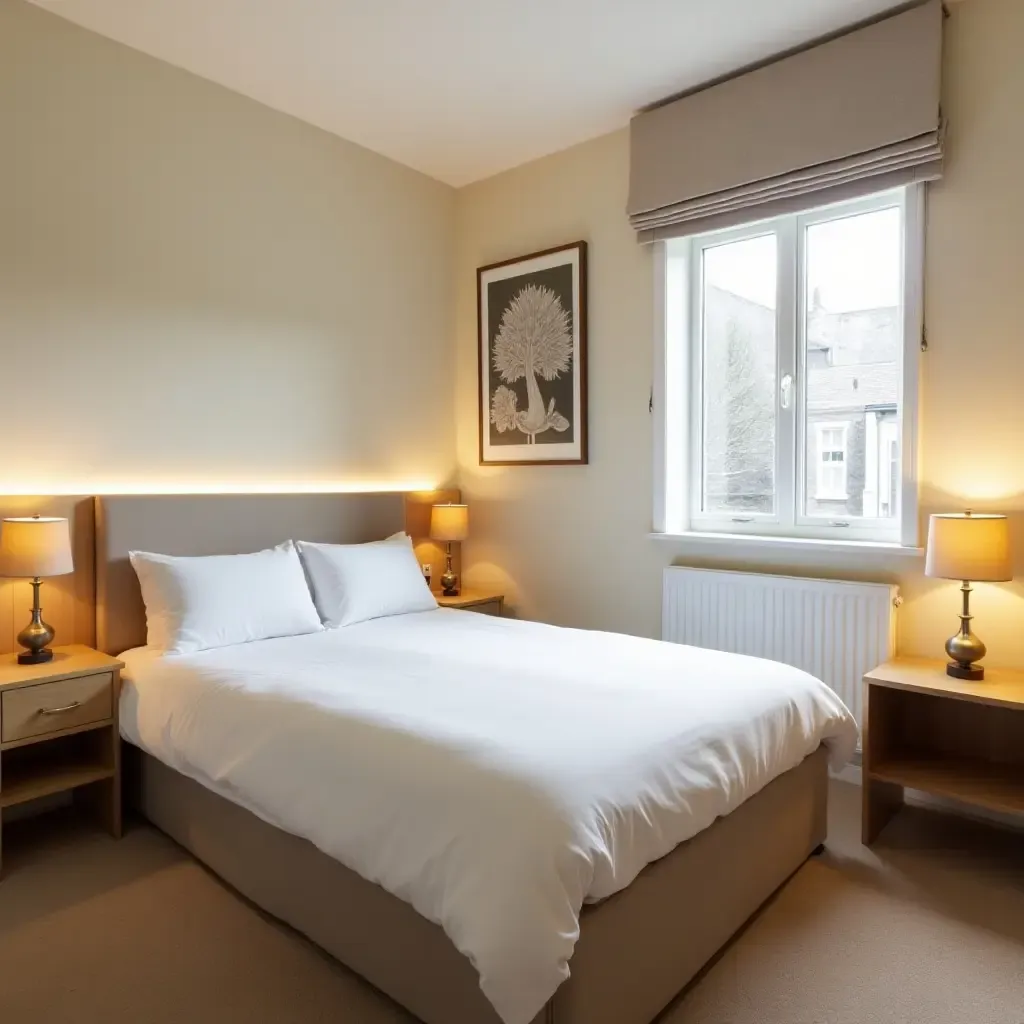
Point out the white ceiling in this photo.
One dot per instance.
(462, 89)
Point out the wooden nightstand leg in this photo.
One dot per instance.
(108, 808)
(103, 802)
(881, 801)
(103, 799)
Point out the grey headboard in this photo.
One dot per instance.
(216, 524)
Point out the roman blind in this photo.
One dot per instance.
(853, 115)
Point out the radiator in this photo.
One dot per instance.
(834, 629)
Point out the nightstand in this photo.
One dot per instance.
(927, 731)
(488, 602)
(59, 732)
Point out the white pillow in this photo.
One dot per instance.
(217, 600)
(355, 582)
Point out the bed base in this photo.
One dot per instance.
(637, 950)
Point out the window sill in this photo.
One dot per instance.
(740, 542)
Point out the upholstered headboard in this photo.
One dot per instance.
(216, 524)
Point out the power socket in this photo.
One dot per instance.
(427, 571)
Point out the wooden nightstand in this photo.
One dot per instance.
(925, 730)
(489, 602)
(59, 732)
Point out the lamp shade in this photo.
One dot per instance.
(449, 522)
(966, 546)
(35, 547)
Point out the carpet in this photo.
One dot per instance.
(927, 926)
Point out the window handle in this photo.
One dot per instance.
(786, 390)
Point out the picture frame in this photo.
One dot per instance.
(532, 359)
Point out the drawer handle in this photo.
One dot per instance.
(58, 711)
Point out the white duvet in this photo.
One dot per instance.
(494, 774)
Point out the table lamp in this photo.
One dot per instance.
(448, 523)
(967, 546)
(34, 548)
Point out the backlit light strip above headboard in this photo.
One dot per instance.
(133, 487)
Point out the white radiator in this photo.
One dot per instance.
(834, 629)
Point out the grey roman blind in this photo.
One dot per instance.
(851, 116)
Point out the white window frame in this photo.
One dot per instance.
(821, 493)
(676, 406)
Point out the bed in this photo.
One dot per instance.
(637, 945)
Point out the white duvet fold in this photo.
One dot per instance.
(494, 774)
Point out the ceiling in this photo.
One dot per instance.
(462, 89)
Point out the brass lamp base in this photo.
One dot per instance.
(35, 657)
(964, 648)
(36, 635)
(449, 581)
(975, 673)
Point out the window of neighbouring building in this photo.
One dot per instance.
(831, 462)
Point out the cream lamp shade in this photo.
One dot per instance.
(969, 546)
(34, 547)
(449, 522)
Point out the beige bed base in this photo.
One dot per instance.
(636, 950)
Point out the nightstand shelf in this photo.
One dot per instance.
(59, 732)
(50, 780)
(970, 780)
(927, 731)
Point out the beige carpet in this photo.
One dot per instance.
(928, 927)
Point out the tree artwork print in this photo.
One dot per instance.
(534, 340)
(532, 358)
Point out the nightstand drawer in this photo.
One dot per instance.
(53, 707)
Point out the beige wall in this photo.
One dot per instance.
(571, 543)
(195, 289)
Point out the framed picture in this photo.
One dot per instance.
(533, 358)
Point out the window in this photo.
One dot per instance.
(789, 375)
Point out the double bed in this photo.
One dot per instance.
(489, 820)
